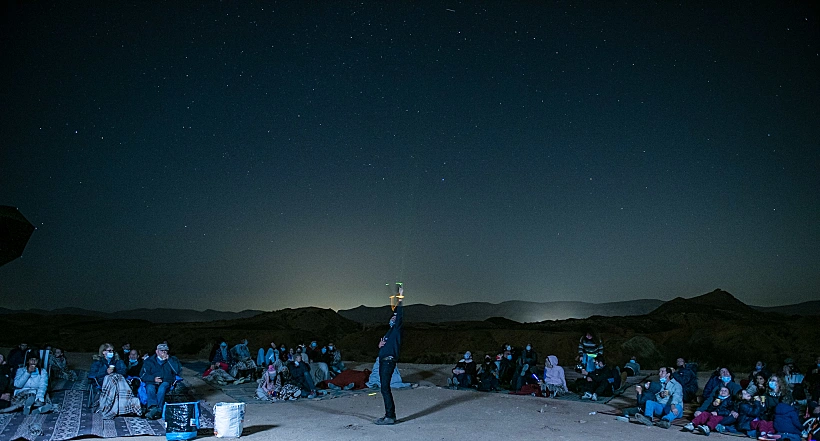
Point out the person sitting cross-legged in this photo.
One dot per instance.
(711, 413)
(30, 384)
(159, 372)
(667, 402)
(464, 373)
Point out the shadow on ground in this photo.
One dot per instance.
(441, 406)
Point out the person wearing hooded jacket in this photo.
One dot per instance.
(712, 413)
(554, 379)
(688, 379)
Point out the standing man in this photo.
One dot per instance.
(159, 372)
(388, 356)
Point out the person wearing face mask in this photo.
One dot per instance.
(686, 375)
(746, 409)
(106, 362)
(667, 402)
(124, 351)
(722, 377)
(334, 359)
(389, 347)
(116, 395)
(159, 372)
(602, 382)
(524, 368)
(464, 373)
(793, 378)
(812, 383)
(759, 369)
(31, 384)
(711, 413)
(506, 368)
(222, 356)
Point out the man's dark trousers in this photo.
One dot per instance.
(386, 368)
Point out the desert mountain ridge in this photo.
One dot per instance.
(516, 310)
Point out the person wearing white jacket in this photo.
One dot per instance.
(30, 383)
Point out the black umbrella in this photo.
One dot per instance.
(14, 233)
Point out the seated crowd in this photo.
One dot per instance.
(124, 382)
(286, 373)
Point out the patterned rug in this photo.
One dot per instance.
(72, 419)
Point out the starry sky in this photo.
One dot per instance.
(264, 155)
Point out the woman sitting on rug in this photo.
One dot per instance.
(554, 379)
(30, 383)
(116, 397)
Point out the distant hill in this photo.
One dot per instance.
(805, 308)
(158, 315)
(519, 311)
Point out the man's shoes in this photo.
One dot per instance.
(689, 426)
(312, 395)
(153, 413)
(333, 386)
(385, 421)
(350, 386)
(586, 396)
(594, 397)
(720, 428)
(663, 424)
(643, 419)
(704, 429)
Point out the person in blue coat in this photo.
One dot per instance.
(106, 362)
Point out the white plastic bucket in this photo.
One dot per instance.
(228, 419)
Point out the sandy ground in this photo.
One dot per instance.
(429, 412)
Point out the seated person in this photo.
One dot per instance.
(745, 410)
(525, 365)
(793, 378)
(722, 378)
(758, 386)
(315, 356)
(116, 396)
(5, 383)
(106, 362)
(711, 413)
(159, 373)
(666, 403)
(759, 369)
(300, 376)
(786, 422)
(267, 357)
(222, 357)
(215, 375)
(334, 359)
(464, 373)
(554, 379)
(59, 366)
(17, 357)
(124, 351)
(601, 382)
(30, 384)
(632, 368)
(133, 368)
(244, 366)
(643, 393)
(488, 375)
(506, 368)
(688, 379)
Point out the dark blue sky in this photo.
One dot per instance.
(255, 155)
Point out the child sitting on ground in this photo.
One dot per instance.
(711, 413)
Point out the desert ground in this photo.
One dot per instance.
(428, 412)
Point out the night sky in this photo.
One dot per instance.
(268, 155)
